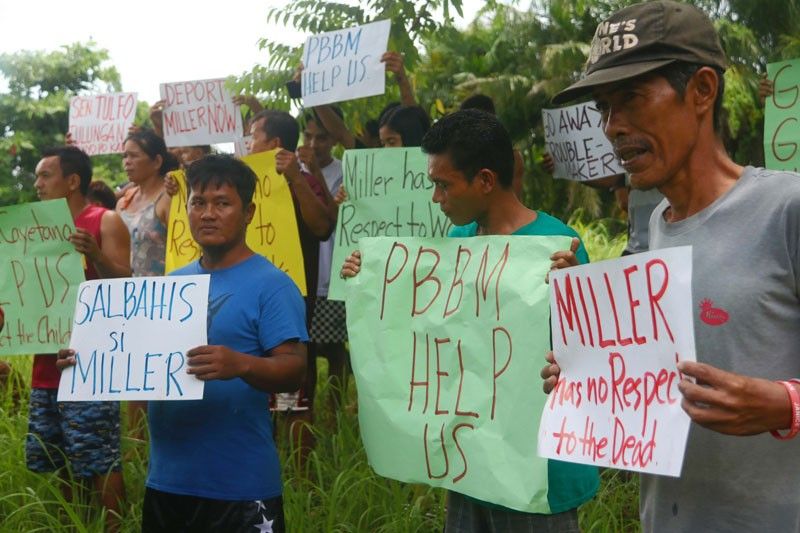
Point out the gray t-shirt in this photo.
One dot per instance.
(746, 274)
(640, 207)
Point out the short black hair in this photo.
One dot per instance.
(220, 169)
(474, 140)
(313, 116)
(371, 127)
(386, 109)
(102, 194)
(280, 124)
(72, 160)
(479, 101)
(678, 75)
(153, 145)
(410, 122)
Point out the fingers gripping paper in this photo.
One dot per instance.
(447, 338)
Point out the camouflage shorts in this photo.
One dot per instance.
(85, 434)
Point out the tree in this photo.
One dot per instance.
(34, 110)
(522, 58)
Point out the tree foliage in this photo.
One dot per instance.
(522, 56)
(35, 109)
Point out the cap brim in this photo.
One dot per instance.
(606, 76)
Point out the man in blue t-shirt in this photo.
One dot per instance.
(213, 462)
(471, 164)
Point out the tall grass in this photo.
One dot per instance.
(603, 239)
(337, 491)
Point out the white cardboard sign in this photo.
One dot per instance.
(131, 335)
(345, 64)
(619, 329)
(577, 144)
(99, 123)
(199, 112)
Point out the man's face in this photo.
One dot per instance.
(50, 182)
(259, 142)
(217, 218)
(320, 141)
(461, 201)
(652, 128)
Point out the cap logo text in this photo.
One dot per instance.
(613, 37)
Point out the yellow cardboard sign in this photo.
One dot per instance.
(272, 233)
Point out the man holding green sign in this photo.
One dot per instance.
(470, 162)
(86, 434)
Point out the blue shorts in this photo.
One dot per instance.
(84, 434)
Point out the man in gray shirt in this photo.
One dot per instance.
(655, 72)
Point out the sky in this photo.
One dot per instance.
(155, 41)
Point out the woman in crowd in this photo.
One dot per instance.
(144, 207)
(403, 126)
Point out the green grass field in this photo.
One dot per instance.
(338, 492)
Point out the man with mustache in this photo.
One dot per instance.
(655, 72)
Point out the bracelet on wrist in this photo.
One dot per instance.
(794, 400)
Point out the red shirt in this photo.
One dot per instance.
(45, 373)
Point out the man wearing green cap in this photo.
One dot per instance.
(655, 71)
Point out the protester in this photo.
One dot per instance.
(403, 126)
(660, 99)
(213, 463)
(81, 438)
(471, 164)
(144, 207)
(315, 214)
(328, 326)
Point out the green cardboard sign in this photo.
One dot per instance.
(41, 272)
(447, 339)
(388, 195)
(782, 117)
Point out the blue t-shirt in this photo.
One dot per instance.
(221, 447)
(569, 484)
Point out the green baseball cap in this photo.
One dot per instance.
(644, 37)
